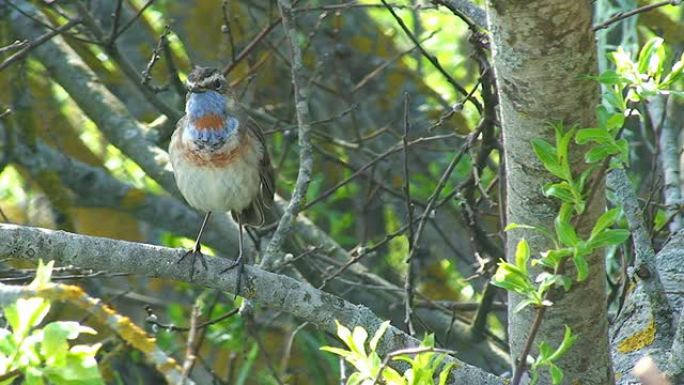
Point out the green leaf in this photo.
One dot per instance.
(556, 374)
(444, 374)
(561, 191)
(565, 231)
(359, 336)
(649, 57)
(55, 335)
(542, 231)
(615, 122)
(605, 220)
(26, 314)
(392, 377)
(623, 149)
(545, 352)
(598, 135)
(523, 304)
(547, 155)
(552, 258)
(582, 267)
(567, 342)
(608, 237)
(509, 277)
(33, 376)
(522, 255)
(355, 379)
(378, 335)
(610, 77)
(615, 99)
(340, 352)
(598, 153)
(563, 142)
(674, 75)
(344, 334)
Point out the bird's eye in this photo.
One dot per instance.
(217, 84)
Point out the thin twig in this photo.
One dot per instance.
(131, 21)
(225, 28)
(16, 45)
(190, 354)
(250, 47)
(623, 15)
(116, 17)
(125, 64)
(35, 43)
(301, 97)
(146, 77)
(410, 271)
(432, 59)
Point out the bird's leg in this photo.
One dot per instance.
(239, 261)
(196, 251)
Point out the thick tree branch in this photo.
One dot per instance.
(278, 292)
(96, 101)
(470, 13)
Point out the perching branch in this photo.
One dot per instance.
(277, 292)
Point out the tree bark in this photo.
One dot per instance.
(542, 49)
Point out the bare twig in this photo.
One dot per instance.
(130, 22)
(125, 65)
(410, 271)
(301, 97)
(28, 47)
(116, 17)
(225, 28)
(623, 15)
(250, 47)
(146, 77)
(16, 45)
(152, 319)
(190, 346)
(432, 59)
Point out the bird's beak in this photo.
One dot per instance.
(194, 88)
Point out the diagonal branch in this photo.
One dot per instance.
(278, 292)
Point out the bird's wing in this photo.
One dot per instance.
(265, 169)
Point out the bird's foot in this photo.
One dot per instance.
(195, 253)
(240, 264)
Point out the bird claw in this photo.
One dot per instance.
(196, 254)
(241, 265)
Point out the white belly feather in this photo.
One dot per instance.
(228, 188)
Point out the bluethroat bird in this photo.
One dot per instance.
(220, 159)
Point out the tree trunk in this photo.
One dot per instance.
(542, 50)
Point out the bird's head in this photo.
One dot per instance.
(203, 79)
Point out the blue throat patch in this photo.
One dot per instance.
(205, 103)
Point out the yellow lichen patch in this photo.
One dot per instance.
(135, 336)
(639, 340)
(134, 198)
(68, 293)
(170, 364)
